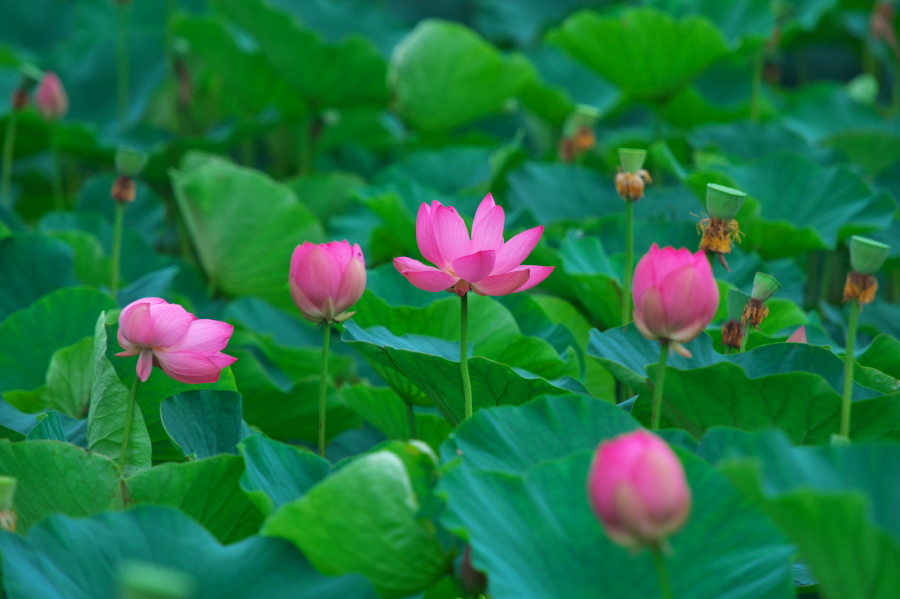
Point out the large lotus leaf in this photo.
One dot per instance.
(278, 473)
(564, 83)
(208, 490)
(110, 410)
(523, 22)
(287, 411)
(536, 536)
(835, 503)
(883, 355)
(493, 329)
(627, 354)
(799, 206)
(32, 266)
(737, 20)
(495, 439)
(874, 151)
(749, 141)
(348, 73)
(81, 559)
(801, 404)
(32, 335)
(577, 192)
(244, 226)
(822, 110)
(57, 477)
(204, 422)
(433, 366)
(16, 425)
(249, 81)
(368, 504)
(69, 379)
(443, 75)
(644, 51)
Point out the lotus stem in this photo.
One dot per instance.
(659, 561)
(9, 145)
(849, 364)
(323, 388)
(464, 353)
(117, 249)
(658, 385)
(629, 261)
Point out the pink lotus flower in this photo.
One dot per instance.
(52, 100)
(188, 349)
(638, 489)
(484, 263)
(675, 296)
(326, 279)
(799, 336)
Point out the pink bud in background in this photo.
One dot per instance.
(52, 100)
(675, 295)
(799, 336)
(483, 262)
(188, 349)
(326, 279)
(638, 489)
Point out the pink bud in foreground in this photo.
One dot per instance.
(675, 296)
(326, 279)
(52, 100)
(638, 489)
(483, 262)
(799, 336)
(187, 348)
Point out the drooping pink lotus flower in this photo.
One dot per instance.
(326, 279)
(675, 296)
(483, 262)
(52, 100)
(187, 348)
(799, 336)
(638, 489)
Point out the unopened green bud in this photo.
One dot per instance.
(7, 492)
(723, 202)
(764, 286)
(584, 116)
(737, 301)
(867, 255)
(130, 162)
(143, 580)
(632, 160)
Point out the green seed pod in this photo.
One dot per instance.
(723, 202)
(867, 255)
(737, 301)
(130, 162)
(7, 492)
(764, 286)
(632, 160)
(143, 580)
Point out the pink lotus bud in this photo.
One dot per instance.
(675, 295)
(188, 349)
(483, 262)
(638, 489)
(326, 279)
(799, 336)
(52, 100)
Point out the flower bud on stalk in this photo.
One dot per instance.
(799, 336)
(866, 257)
(764, 287)
(52, 99)
(8, 517)
(720, 229)
(578, 133)
(632, 176)
(639, 491)
(733, 330)
(129, 164)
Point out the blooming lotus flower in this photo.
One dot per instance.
(188, 349)
(326, 279)
(638, 489)
(52, 100)
(675, 295)
(483, 262)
